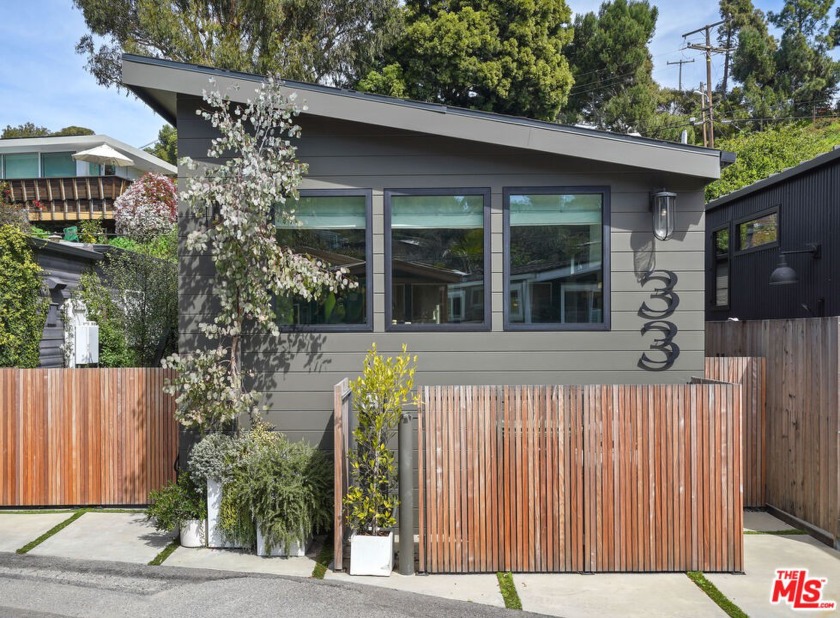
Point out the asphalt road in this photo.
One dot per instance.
(34, 586)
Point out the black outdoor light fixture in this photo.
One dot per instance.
(662, 204)
(784, 274)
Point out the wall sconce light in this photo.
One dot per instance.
(784, 274)
(663, 204)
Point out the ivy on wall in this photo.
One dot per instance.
(23, 310)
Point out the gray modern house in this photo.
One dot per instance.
(501, 250)
(770, 246)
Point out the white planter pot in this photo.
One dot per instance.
(372, 555)
(215, 536)
(194, 533)
(296, 550)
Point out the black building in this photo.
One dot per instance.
(790, 218)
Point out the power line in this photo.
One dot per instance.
(681, 63)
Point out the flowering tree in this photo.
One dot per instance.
(147, 209)
(246, 195)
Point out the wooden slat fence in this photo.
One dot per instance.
(802, 429)
(84, 436)
(580, 478)
(341, 442)
(750, 374)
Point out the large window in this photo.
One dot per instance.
(436, 253)
(555, 243)
(20, 165)
(58, 165)
(720, 245)
(333, 227)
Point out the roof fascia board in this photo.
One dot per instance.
(143, 75)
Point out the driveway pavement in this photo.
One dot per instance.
(124, 538)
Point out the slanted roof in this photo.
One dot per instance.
(76, 143)
(774, 179)
(158, 82)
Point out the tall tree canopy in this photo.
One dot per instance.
(612, 66)
(166, 146)
(329, 41)
(29, 129)
(503, 56)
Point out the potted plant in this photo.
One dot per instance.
(379, 395)
(212, 461)
(289, 494)
(180, 505)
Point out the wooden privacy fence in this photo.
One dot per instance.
(580, 478)
(750, 374)
(84, 436)
(801, 439)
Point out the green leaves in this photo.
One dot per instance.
(379, 395)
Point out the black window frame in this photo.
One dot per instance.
(389, 292)
(713, 256)
(736, 231)
(367, 327)
(604, 191)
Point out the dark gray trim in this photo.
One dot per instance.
(736, 250)
(488, 262)
(434, 107)
(822, 159)
(606, 262)
(346, 328)
(60, 248)
(711, 285)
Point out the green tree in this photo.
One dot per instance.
(27, 129)
(612, 67)
(72, 130)
(22, 309)
(331, 41)
(738, 14)
(166, 146)
(505, 57)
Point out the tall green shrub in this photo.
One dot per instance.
(22, 308)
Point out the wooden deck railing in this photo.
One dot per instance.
(84, 436)
(580, 478)
(68, 199)
(802, 425)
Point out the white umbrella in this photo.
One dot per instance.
(104, 155)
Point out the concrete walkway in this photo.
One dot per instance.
(125, 537)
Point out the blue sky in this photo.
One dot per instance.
(43, 80)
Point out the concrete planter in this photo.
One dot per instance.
(194, 533)
(372, 555)
(215, 537)
(296, 550)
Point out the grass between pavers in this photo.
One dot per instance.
(508, 590)
(322, 562)
(716, 595)
(165, 553)
(776, 532)
(54, 530)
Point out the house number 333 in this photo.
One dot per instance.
(666, 303)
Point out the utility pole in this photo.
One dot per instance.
(708, 49)
(681, 62)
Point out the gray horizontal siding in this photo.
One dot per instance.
(297, 371)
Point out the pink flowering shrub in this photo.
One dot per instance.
(147, 209)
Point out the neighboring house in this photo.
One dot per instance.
(501, 250)
(790, 217)
(63, 264)
(43, 176)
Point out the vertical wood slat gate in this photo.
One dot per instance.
(580, 478)
(84, 436)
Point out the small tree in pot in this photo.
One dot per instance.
(379, 395)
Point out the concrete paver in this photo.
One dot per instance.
(122, 537)
(763, 554)
(670, 595)
(476, 588)
(759, 521)
(241, 560)
(18, 529)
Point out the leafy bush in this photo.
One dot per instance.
(214, 457)
(175, 503)
(147, 209)
(22, 308)
(114, 350)
(379, 396)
